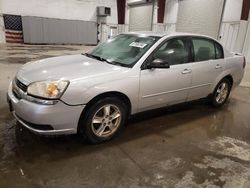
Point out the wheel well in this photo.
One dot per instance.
(119, 95)
(230, 78)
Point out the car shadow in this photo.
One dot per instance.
(159, 121)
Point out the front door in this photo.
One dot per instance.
(164, 86)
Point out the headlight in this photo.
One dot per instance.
(48, 89)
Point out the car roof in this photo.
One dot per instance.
(163, 34)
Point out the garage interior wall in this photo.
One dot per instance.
(84, 10)
(245, 20)
(170, 17)
(229, 30)
(62, 9)
(73, 10)
(246, 46)
(200, 16)
(38, 30)
(2, 35)
(229, 27)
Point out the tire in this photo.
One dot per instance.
(103, 120)
(218, 101)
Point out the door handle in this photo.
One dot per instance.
(186, 71)
(218, 66)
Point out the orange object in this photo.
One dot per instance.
(51, 88)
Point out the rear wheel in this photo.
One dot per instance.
(103, 120)
(221, 93)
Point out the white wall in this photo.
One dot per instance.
(232, 10)
(233, 31)
(64, 9)
(171, 11)
(2, 34)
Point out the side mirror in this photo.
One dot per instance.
(158, 63)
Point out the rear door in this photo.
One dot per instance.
(208, 64)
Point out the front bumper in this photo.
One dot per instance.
(42, 119)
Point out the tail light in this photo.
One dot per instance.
(244, 62)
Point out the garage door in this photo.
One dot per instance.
(201, 16)
(140, 17)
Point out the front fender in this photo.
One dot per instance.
(81, 92)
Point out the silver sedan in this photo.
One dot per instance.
(94, 93)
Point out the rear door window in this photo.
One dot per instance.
(203, 49)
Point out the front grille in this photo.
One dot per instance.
(20, 85)
(18, 96)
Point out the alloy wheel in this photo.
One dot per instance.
(106, 120)
(222, 92)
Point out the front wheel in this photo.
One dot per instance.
(103, 120)
(221, 93)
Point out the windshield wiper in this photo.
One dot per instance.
(94, 56)
(106, 60)
(116, 63)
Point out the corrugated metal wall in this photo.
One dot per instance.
(140, 17)
(38, 30)
(201, 16)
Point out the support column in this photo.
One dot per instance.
(245, 10)
(121, 5)
(161, 11)
(121, 9)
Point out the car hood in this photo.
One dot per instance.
(68, 67)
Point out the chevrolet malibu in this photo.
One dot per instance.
(94, 93)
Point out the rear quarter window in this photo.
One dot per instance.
(218, 51)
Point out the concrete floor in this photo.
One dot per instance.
(190, 145)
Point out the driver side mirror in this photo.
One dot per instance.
(158, 63)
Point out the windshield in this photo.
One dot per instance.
(123, 49)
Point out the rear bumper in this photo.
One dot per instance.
(42, 119)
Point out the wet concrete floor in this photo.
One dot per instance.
(191, 145)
